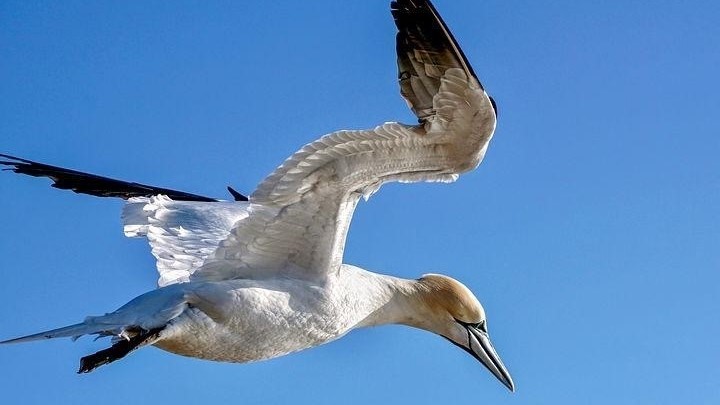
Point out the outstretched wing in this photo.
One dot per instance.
(183, 229)
(86, 183)
(299, 215)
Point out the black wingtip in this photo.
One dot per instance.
(420, 19)
(15, 163)
(86, 183)
(236, 195)
(19, 160)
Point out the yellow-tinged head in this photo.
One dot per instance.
(447, 296)
(446, 307)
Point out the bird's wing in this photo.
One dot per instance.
(182, 234)
(182, 228)
(86, 183)
(299, 215)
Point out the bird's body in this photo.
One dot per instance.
(248, 320)
(263, 276)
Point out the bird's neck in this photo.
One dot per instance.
(392, 300)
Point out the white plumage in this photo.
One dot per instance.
(182, 234)
(250, 280)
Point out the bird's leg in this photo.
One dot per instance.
(118, 350)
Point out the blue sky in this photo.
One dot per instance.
(591, 232)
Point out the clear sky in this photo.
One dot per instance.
(591, 233)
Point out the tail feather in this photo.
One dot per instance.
(149, 311)
(125, 341)
(136, 324)
(72, 331)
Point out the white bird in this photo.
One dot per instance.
(249, 280)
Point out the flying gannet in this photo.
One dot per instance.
(262, 277)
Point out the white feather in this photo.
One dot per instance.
(182, 234)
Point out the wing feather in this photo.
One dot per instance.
(299, 215)
(182, 234)
(99, 186)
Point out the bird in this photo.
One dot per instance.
(263, 276)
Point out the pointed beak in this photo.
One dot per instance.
(480, 347)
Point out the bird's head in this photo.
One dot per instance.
(450, 309)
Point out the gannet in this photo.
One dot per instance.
(262, 277)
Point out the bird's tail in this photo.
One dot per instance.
(72, 331)
(125, 340)
(135, 324)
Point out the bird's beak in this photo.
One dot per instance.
(480, 347)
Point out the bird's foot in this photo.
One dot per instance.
(118, 350)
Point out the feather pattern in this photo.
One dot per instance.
(300, 214)
(182, 234)
(296, 222)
